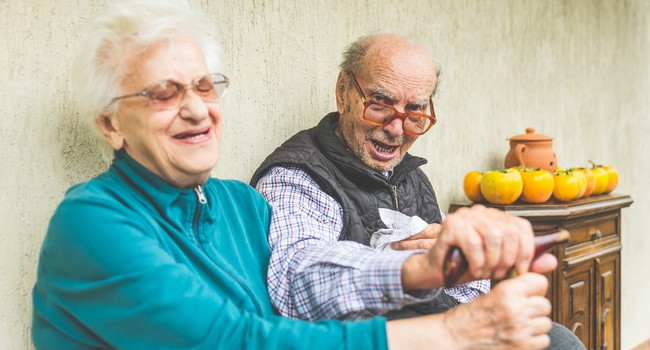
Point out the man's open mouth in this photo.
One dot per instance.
(382, 147)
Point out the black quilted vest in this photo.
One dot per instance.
(359, 189)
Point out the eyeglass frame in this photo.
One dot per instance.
(191, 86)
(398, 115)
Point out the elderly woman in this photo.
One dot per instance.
(154, 253)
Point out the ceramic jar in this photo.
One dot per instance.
(531, 150)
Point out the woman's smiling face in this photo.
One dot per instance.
(179, 144)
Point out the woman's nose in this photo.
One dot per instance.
(193, 106)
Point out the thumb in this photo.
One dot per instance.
(544, 263)
(529, 284)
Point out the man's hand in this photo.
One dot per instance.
(491, 240)
(514, 315)
(425, 239)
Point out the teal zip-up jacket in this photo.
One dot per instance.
(131, 262)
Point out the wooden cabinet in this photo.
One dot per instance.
(585, 290)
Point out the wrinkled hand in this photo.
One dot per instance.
(514, 315)
(425, 239)
(491, 240)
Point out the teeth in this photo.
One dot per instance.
(385, 149)
(191, 136)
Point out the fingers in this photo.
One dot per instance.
(425, 243)
(490, 233)
(524, 321)
(526, 245)
(513, 316)
(517, 243)
(425, 239)
(458, 231)
(491, 240)
(431, 231)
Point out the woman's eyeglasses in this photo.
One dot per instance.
(168, 94)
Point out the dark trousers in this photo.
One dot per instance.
(441, 303)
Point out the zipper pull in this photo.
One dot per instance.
(395, 201)
(199, 193)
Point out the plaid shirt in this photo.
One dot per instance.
(312, 275)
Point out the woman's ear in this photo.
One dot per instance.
(109, 127)
(341, 82)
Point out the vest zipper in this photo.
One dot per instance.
(199, 193)
(394, 193)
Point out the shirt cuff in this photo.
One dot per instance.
(382, 282)
(465, 293)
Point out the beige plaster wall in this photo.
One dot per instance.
(575, 70)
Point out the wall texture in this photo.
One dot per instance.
(574, 70)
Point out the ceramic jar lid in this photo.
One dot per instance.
(530, 135)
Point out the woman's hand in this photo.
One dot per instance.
(514, 315)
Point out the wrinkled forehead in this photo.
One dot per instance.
(400, 65)
(165, 59)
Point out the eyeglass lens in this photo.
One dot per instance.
(383, 115)
(168, 93)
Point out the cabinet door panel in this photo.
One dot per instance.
(585, 289)
(608, 301)
(575, 312)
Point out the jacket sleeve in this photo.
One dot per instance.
(102, 272)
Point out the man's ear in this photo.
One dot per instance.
(109, 127)
(341, 83)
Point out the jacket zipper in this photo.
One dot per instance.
(199, 193)
(197, 215)
(202, 200)
(394, 193)
(392, 187)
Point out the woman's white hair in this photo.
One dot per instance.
(129, 28)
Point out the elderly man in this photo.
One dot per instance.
(370, 169)
(327, 184)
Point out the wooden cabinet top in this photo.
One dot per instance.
(562, 210)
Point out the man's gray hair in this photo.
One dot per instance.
(129, 28)
(355, 52)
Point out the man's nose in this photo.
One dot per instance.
(395, 128)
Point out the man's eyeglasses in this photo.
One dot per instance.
(168, 94)
(381, 114)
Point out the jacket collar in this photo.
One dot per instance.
(150, 185)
